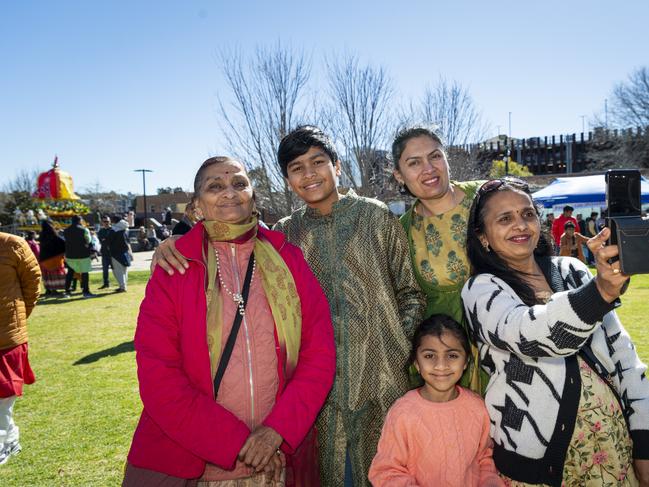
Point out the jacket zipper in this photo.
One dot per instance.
(235, 271)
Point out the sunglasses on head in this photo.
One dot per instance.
(495, 184)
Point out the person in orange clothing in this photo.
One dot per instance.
(558, 223)
(20, 282)
(571, 242)
(419, 427)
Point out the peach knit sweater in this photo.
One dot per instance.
(426, 443)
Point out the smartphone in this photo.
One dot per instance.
(622, 197)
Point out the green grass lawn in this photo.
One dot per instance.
(77, 420)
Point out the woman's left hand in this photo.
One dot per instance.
(642, 471)
(260, 446)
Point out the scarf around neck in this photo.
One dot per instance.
(277, 282)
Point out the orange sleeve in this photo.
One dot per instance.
(389, 467)
(488, 474)
(29, 274)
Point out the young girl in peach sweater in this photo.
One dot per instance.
(437, 434)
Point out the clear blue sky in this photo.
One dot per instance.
(114, 86)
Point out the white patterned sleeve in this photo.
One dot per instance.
(558, 328)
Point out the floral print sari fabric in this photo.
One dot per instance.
(600, 450)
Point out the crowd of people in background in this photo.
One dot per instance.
(65, 253)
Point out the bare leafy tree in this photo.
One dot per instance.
(17, 193)
(465, 164)
(630, 100)
(451, 107)
(359, 118)
(101, 200)
(266, 90)
(24, 181)
(629, 114)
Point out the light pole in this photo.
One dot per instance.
(606, 112)
(510, 125)
(509, 141)
(583, 124)
(144, 171)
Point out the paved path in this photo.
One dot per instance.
(141, 262)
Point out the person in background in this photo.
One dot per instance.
(130, 218)
(558, 224)
(568, 396)
(571, 242)
(437, 434)
(601, 221)
(20, 280)
(102, 235)
(186, 222)
(152, 236)
(591, 231)
(549, 220)
(121, 254)
(95, 246)
(77, 255)
(33, 244)
(168, 215)
(581, 228)
(142, 240)
(51, 259)
(581, 224)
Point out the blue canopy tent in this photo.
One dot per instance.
(581, 192)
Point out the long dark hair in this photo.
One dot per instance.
(488, 262)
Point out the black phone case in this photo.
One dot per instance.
(632, 233)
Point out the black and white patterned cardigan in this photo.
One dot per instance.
(531, 355)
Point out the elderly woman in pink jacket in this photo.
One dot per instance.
(235, 355)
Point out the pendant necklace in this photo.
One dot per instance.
(236, 297)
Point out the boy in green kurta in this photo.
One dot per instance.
(359, 252)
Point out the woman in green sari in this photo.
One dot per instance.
(436, 226)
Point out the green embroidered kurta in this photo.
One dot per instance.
(443, 274)
(359, 253)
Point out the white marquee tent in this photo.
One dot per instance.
(581, 192)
